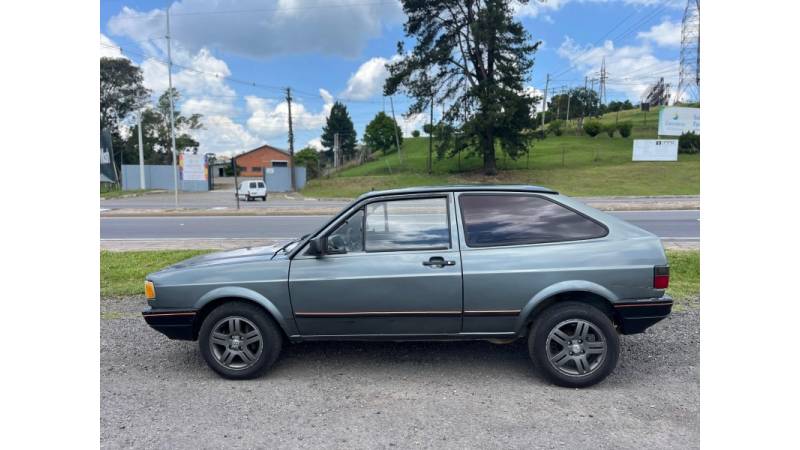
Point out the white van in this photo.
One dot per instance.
(249, 190)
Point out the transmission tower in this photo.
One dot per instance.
(603, 78)
(689, 83)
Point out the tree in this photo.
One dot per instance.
(380, 133)
(121, 91)
(592, 127)
(308, 157)
(473, 56)
(554, 127)
(339, 122)
(625, 128)
(415, 133)
(156, 137)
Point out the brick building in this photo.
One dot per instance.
(253, 163)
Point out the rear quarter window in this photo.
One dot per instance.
(510, 219)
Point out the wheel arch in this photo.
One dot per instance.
(582, 291)
(220, 296)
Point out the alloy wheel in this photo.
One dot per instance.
(236, 343)
(576, 347)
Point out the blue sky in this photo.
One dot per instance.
(330, 50)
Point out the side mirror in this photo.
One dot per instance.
(317, 246)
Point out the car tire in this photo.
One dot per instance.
(239, 340)
(574, 344)
(264, 198)
(248, 198)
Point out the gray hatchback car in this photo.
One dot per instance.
(494, 263)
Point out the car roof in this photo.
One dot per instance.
(460, 188)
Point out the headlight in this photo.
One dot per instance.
(149, 290)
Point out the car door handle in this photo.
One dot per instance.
(438, 261)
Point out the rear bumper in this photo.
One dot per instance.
(635, 316)
(173, 323)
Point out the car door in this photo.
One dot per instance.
(392, 268)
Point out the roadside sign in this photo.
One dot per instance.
(655, 150)
(193, 167)
(674, 121)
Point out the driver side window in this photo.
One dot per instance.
(349, 237)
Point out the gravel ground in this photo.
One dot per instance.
(158, 393)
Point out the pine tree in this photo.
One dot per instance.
(339, 122)
(474, 57)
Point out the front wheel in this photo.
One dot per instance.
(574, 344)
(239, 341)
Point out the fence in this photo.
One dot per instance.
(279, 179)
(158, 177)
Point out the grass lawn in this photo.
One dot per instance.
(573, 165)
(122, 273)
(116, 193)
(684, 278)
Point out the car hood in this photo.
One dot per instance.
(230, 256)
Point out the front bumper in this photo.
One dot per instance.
(173, 323)
(635, 316)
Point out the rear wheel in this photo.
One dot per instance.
(574, 344)
(239, 341)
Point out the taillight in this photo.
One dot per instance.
(660, 277)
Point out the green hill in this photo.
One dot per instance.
(573, 164)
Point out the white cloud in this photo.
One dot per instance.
(537, 8)
(665, 34)
(109, 49)
(631, 69)
(411, 123)
(368, 80)
(533, 92)
(270, 118)
(223, 136)
(258, 28)
(316, 144)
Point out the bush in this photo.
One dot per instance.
(689, 143)
(308, 157)
(625, 129)
(555, 127)
(415, 133)
(610, 129)
(592, 127)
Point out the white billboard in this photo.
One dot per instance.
(193, 167)
(655, 150)
(675, 120)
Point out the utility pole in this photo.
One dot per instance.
(569, 97)
(141, 155)
(583, 103)
(430, 142)
(396, 136)
(593, 105)
(172, 114)
(335, 150)
(235, 180)
(544, 101)
(291, 138)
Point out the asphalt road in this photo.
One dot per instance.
(158, 393)
(214, 199)
(675, 225)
